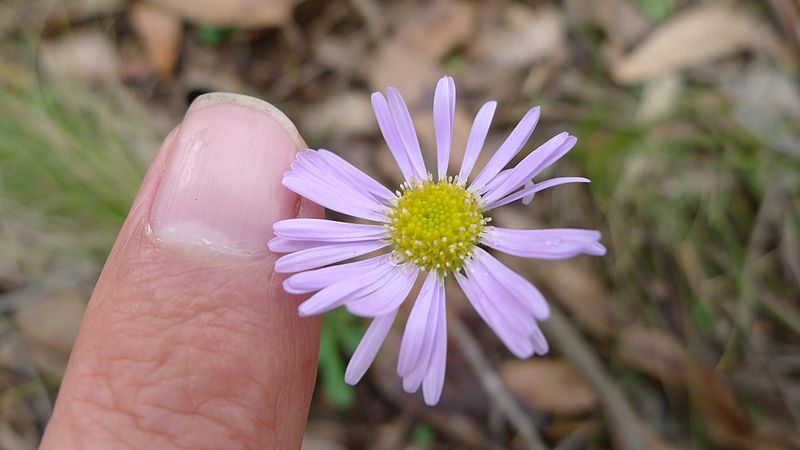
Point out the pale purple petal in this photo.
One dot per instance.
(514, 312)
(519, 344)
(420, 328)
(499, 178)
(540, 344)
(338, 293)
(317, 166)
(387, 297)
(531, 189)
(368, 347)
(531, 165)
(314, 280)
(477, 136)
(405, 128)
(283, 245)
(528, 198)
(518, 312)
(508, 149)
(357, 179)
(322, 256)
(555, 243)
(327, 230)
(391, 135)
(414, 379)
(434, 380)
(519, 288)
(444, 102)
(331, 199)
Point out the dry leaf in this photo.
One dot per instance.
(403, 67)
(85, 56)
(655, 353)
(699, 35)
(581, 291)
(236, 13)
(726, 421)
(659, 97)
(549, 385)
(660, 355)
(327, 118)
(526, 36)
(440, 28)
(160, 31)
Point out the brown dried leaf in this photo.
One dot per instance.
(726, 421)
(414, 74)
(237, 13)
(526, 36)
(439, 28)
(699, 35)
(160, 31)
(581, 291)
(87, 56)
(549, 385)
(655, 353)
(660, 355)
(326, 118)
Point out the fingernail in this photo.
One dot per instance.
(221, 188)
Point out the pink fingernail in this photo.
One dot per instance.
(222, 185)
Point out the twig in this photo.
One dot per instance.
(621, 417)
(494, 385)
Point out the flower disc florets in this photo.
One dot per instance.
(435, 225)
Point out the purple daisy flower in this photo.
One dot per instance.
(435, 226)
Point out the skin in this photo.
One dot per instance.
(192, 346)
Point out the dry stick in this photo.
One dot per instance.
(621, 417)
(494, 385)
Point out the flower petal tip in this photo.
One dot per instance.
(351, 378)
(596, 249)
(433, 400)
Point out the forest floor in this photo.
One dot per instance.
(686, 335)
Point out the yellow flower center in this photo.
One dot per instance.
(436, 225)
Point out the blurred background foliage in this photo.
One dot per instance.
(688, 115)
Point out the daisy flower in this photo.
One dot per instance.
(435, 227)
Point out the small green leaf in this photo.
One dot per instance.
(702, 315)
(655, 9)
(211, 35)
(331, 370)
(423, 435)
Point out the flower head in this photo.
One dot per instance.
(434, 226)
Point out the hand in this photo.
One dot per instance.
(188, 340)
